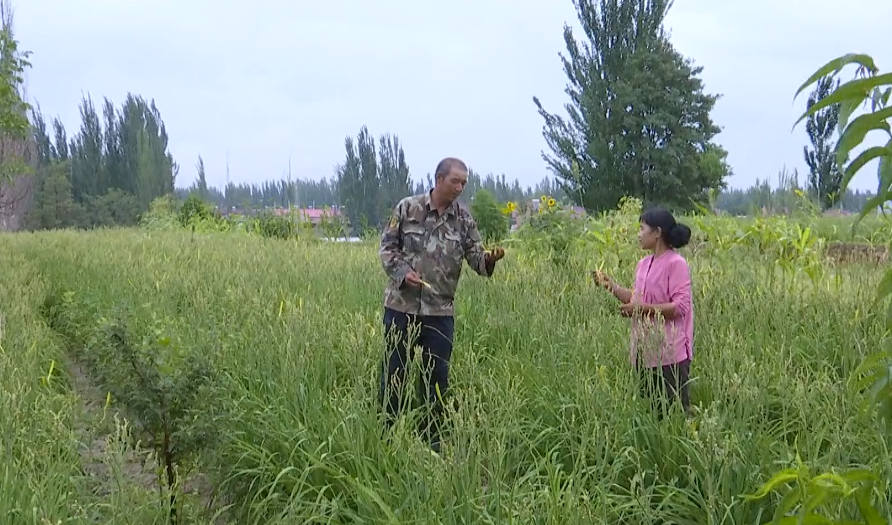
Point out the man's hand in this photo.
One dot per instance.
(494, 255)
(413, 279)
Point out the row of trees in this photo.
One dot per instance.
(108, 173)
(371, 180)
(324, 192)
(783, 196)
(638, 124)
(774, 196)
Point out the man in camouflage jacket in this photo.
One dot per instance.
(422, 250)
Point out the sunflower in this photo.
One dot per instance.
(510, 207)
(543, 198)
(551, 203)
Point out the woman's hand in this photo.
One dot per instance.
(629, 309)
(602, 279)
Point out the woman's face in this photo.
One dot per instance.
(648, 237)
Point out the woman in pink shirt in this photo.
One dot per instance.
(661, 308)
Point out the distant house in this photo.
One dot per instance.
(313, 215)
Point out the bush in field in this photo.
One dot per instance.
(195, 211)
(552, 231)
(492, 222)
(162, 214)
(277, 226)
(333, 226)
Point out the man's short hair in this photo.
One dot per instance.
(447, 165)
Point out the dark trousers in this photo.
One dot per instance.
(666, 384)
(402, 333)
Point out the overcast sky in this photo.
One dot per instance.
(268, 79)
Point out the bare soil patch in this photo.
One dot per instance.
(849, 252)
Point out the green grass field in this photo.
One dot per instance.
(548, 428)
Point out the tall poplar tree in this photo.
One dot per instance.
(638, 120)
(824, 177)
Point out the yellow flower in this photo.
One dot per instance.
(511, 206)
(543, 198)
(551, 203)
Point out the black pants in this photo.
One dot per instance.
(666, 384)
(402, 333)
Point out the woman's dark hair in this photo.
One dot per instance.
(676, 234)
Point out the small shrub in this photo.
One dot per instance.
(492, 222)
(195, 211)
(552, 231)
(169, 387)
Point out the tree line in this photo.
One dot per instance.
(324, 192)
(638, 124)
(372, 178)
(107, 174)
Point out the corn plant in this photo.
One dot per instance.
(828, 492)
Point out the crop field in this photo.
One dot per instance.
(255, 361)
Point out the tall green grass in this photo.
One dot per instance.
(547, 429)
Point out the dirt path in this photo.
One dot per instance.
(100, 422)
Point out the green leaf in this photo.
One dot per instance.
(858, 89)
(881, 384)
(846, 108)
(809, 519)
(871, 205)
(868, 512)
(786, 504)
(856, 476)
(885, 287)
(784, 476)
(835, 66)
(884, 171)
(830, 480)
(854, 133)
(861, 160)
(817, 497)
(870, 369)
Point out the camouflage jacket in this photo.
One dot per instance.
(418, 238)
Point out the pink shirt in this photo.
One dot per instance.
(661, 280)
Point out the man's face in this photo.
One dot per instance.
(453, 184)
